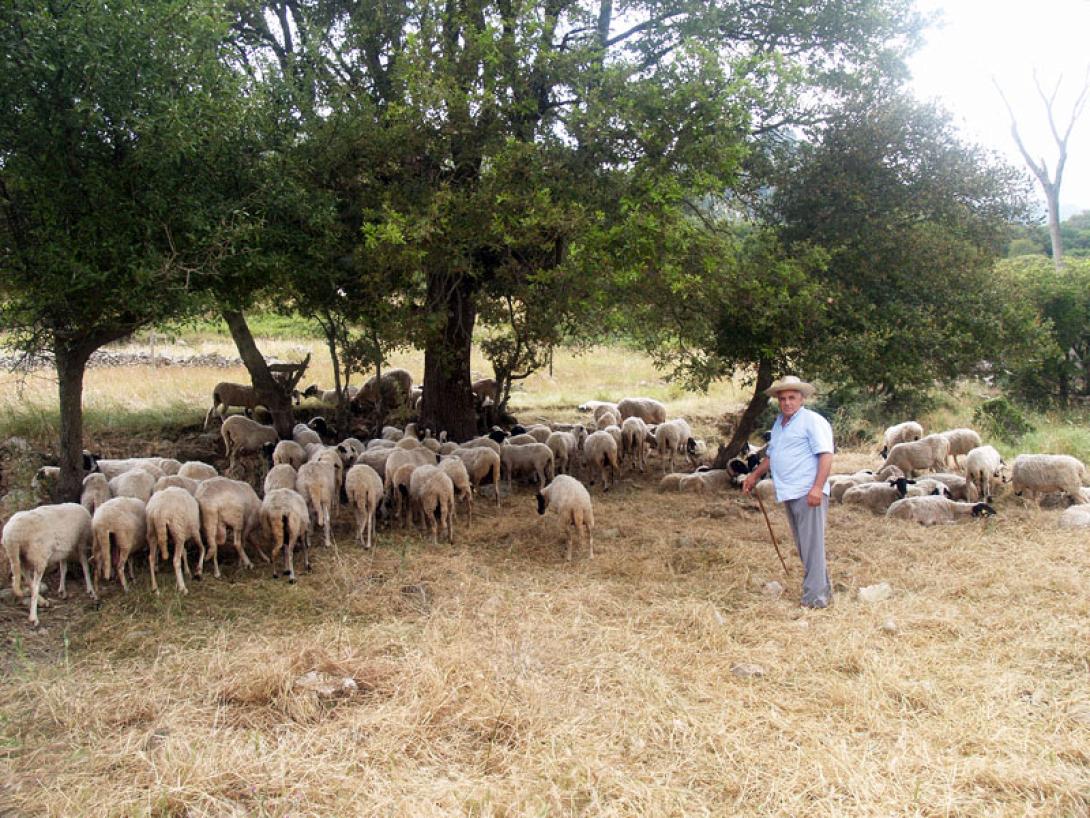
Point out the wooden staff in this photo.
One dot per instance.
(771, 533)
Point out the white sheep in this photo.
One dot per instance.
(177, 480)
(926, 453)
(120, 530)
(933, 510)
(606, 417)
(227, 504)
(634, 441)
(280, 476)
(571, 502)
(673, 438)
(364, 487)
(317, 483)
(1038, 474)
(962, 441)
(196, 470)
(482, 442)
(649, 410)
(539, 432)
(289, 452)
(485, 390)
(877, 497)
(243, 436)
(905, 432)
(45, 536)
(480, 462)
(227, 394)
(1078, 516)
(286, 521)
(455, 468)
(431, 492)
(709, 480)
(390, 433)
(565, 448)
(531, 458)
(376, 459)
(303, 434)
(984, 467)
(173, 516)
(397, 383)
(136, 483)
(96, 491)
(600, 452)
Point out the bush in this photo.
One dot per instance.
(1000, 418)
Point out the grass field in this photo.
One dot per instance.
(494, 679)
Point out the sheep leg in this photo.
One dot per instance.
(63, 570)
(122, 562)
(35, 592)
(86, 566)
(153, 560)
(179, 558)
(327, 525)
(289, 562)
(450, 521)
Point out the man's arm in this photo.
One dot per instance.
(825, 465)
(758, 473)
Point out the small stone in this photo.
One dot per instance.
(875, 593)
(889, 626)
(803, 623)
(325, 686)
(747, 669)
(772, 589)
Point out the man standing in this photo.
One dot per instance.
(800, 456)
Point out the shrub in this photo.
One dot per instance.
(1002, 419)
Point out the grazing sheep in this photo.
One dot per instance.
(391, 433)
(317, 483)
(409, 442)
(243, 436)
(227, 504)
(285, 451)
(448, 447)
(397, 483)
(1038, 474)
(926, 453)
(303, 435)
(173, 516)
(482, 442)
(177, 480)
(136, 483)
(380, 443)
(455, 468)
(399, 457)
(877, 497)
(962, 441)
(634, 442)
(480, 462)
(672, 438)
(45, 536)
(196, 470)
(648, 410)
(535, 458)
(96, 491)
(280, 476)
(605, 418)
(984, 467)
(565, 449)
(601, 407)
(349, 449)
(933, 510)
(286, 522)
(600, 453)
(905, 432)
(364, 487)
(571, 501)
(431, 492)
(120, 530)
(376, 459)
(539, 432)
(521, 439)
(227, 394)
(330, 455)
(45, 483)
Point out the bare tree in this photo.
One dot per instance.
(1050, 184)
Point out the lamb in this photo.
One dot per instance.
(634, 441)
(571, 501)
(285, 451)
(173, 516)
(481, 462)
(317, 483)
(280, 476)
(672, 438)
(96, 491)
(364, 487)
(531, 457)
(933, 510)
(454, 468)
(227, 394)
(45, 536)
(227, 504)
(119, 527)
(169, 480)
(905, 432)
(565, 448)
(1042, 473)
(877, 497)
(600, 452)
(962, 441)
(196, 470)
(243, 436)
(285, 519)
(984, 466)
(648, 410)
(431, 492)
(926, 453)
(136, 483)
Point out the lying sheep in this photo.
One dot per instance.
(364, 487)
(933, 510)
(96, 491)
(648, 410)
(119, 527)
(905, 432)
(600, 453)
(176, 480)
(984, 468)
(962, 441)
(196, 470)
(45, 536)
(926, 453)
(634, 442)
(286, 521)
(280, 476)
(1038, 474)
(227, 504)
(243, 436)
(1077, 516)
(480, 462)
(317, 483)
(226, 395)
(877, 497)
(431, 492)
(840, 483)
(531, 458)
(571, 501)
(173, 516)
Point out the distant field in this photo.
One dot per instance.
(492, 679)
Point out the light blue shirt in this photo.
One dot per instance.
(793, 453)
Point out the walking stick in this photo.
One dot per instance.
(771, 533)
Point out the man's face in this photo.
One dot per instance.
(790, 401)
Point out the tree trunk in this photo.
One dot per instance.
(1052, 196)
(748, 421)
(71, 363)
(269, 392)
(448, 395)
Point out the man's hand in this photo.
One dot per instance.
(813, 497)
(749, 483)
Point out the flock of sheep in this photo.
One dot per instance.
(407, 474)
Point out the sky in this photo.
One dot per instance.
(977, 40)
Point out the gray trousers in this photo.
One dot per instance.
(808, 528)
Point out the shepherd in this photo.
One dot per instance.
(800, 456)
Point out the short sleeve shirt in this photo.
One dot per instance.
(793, 453)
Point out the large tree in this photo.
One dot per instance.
(112, 122)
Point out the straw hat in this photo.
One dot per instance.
(790, 382)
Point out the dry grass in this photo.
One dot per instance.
(494, 679)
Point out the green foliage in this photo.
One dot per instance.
(1000, 418)
(1075, 233)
